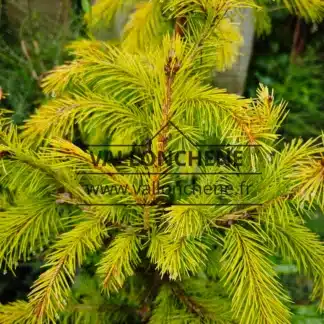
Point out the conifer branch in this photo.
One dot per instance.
(125, 90)
(245, 257)
(179, 28)
(189, 302)
(69, 150)
(119, 261)
(17, 312)
(216, 19)
(68, 253)
(171, 68)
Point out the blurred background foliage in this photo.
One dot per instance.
(31, 43)
(289, 59)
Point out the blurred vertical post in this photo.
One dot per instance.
(234, 79)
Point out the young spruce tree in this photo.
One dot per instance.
(158, 256)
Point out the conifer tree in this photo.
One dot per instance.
(153, 256)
